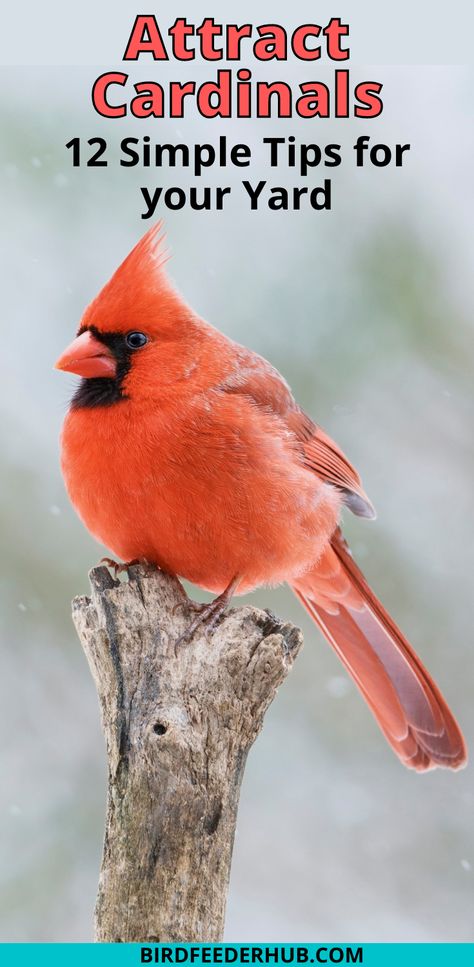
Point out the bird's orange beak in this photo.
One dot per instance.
(88, 357)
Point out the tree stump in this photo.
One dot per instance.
(178, 724)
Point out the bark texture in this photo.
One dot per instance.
(178, 725)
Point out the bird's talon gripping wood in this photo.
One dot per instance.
(117, 567)
(209, 614)
(182, 447)
(208, 618)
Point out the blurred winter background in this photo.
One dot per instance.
(368, 312)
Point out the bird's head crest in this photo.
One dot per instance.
(139, 294)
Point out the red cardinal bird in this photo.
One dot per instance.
(188, 450)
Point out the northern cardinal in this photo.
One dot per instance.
(188, 450)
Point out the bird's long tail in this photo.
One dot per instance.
(405, 701)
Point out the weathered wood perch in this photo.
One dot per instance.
(178, 728)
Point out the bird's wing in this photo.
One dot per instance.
(252, 376)
(256, 379)
(328, 461)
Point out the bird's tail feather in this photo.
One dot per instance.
(405, 701)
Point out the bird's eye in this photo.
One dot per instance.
(135, 340)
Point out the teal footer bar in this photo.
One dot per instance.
(370, 955)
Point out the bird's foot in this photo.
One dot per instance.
(207, 614)
(121, 568)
